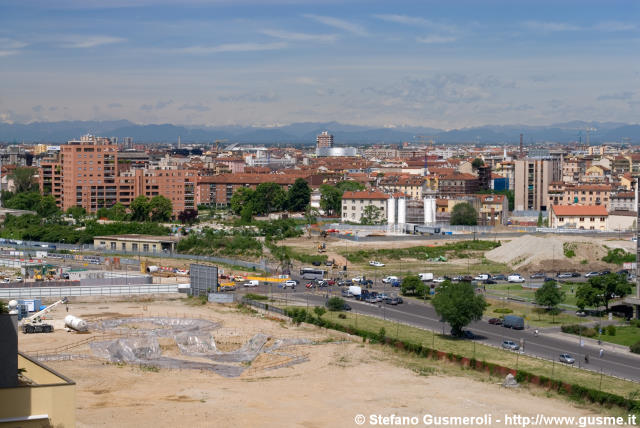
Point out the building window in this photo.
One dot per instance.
(581, 218)
(134, 247)
(124, 246)
(145, 248)
(113, 245)
(601, 218)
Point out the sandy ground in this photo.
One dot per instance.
(538, 251)
(340, 380)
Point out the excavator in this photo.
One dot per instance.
(34, 324)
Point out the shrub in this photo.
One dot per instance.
(635, 323)
(503, 311)
(342, 316)
(335, 304)
(611, 330)
(579, 330)
(252, 296)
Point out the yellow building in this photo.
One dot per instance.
(136, 243)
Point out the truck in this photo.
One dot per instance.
(34, 324)
(426, 276)
(513, 321)
(355, 290)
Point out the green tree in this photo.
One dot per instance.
(335, 304)
(477, 163)
(458, 304)
(330, 199)
(371, 215)
(241, 198)
(412, 285)
(464, 214)
(23, 179)
(140, 209)
(349, 186)
(160, 208)
(320, 311)
(298, 196)
(118, 212)
(600, 290)
(23, 201)
(540, 221)
(549, 295)
(47, 207)
(269, 197)
(246, 214)
(77, 212)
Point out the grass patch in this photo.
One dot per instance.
(569, 249)
(625, 335)
(488, 354)
(281, 252)
(421, 252)
(533, 315)
(619, 256)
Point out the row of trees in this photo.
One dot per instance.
(270, 197)
(331, 196)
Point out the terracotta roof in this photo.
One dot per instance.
(497, 199)
(364, 194)
(626, 195)
(575, 210)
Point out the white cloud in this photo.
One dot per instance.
(340, 24)
(305, 80)
(300, 37)
(615, 26)
(549, 26)
(417, 21)
(11, 44)
(7, 53)
(433, 39)
(232, 47)
(91, 41)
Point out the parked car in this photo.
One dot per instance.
(389, 279)
(591, 274)
(252, 283)
(328, 263)
(316, 263)
(581, 313)
(623, 272)
(489, 281)
(513, 321)
(457, 278)
(346, 293)
(499, 277)
(357, 279)
(515, 278)
(495, 321)
(366, 282)
(510, 344)
(291, 283)
(575, 275)
(468, 335)
(346, 307)
(482, 277)
(439, 280)
(396, 283)
(565, 275)
(537, 275)
(605, 272)
(345, 283)
(321, 283)
(310, 285)
(399, 299)
(567, 359)
(376, 263)
(391, 301)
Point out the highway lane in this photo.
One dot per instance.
(616, 363)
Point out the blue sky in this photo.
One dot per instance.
(266, 63)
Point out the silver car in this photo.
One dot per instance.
(567, 359)
(510, 344)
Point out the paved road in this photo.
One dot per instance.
(613, 362)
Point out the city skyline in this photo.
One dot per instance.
(274, 63)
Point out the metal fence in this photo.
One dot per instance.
(29, 292)
(263, 306)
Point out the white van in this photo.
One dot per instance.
(515, 277)
(426, 276)
(252, 283)
(390, 279)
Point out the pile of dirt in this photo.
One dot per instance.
(545, 253)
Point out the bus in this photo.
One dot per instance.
(312, 273)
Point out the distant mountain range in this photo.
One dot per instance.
(305, 133)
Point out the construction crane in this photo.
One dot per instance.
(34, 324)
(217, 142)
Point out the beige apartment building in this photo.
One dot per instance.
(532, 179)
(354, 204)
(560, 193)
(584, 217)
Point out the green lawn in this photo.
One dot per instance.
(486, 353)
(626, 336)
(533, 316)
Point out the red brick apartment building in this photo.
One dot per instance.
(85, 173)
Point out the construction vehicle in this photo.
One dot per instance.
(34, 324)
(322, 247)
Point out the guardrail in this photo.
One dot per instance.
(111, 290)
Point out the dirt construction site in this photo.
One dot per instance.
(170, 362)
